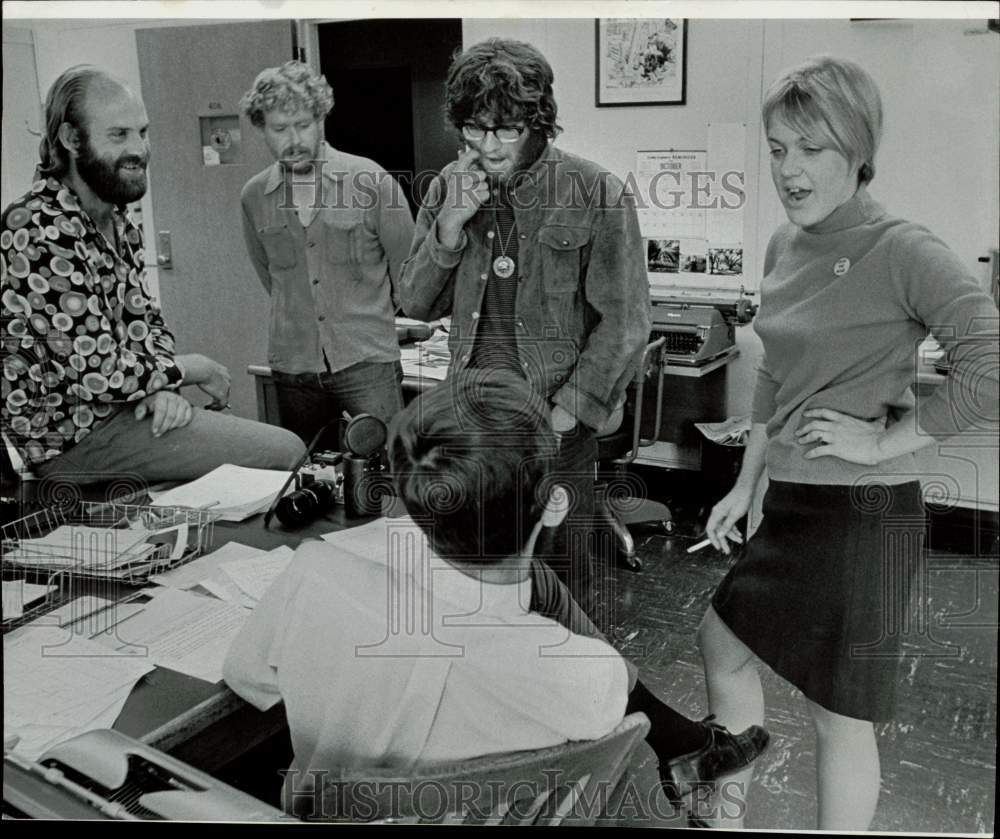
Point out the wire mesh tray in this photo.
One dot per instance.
(107, 541)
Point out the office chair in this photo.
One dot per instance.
(616, 449)
(569, 784)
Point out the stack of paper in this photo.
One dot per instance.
(85, 548)
(206, 573)
(428, 359)
(234, 492)
(731, 432)
(57, 685)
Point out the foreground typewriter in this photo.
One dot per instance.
(106, 775)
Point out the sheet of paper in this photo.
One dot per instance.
(182, 631)
(235, 492)
(376, 537)
(206, 567)
(58, 683)
(18, 595)
(37, 739)
(255, 575)
(224, 588)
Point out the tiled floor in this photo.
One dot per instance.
(939, 754)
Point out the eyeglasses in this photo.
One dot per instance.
(504, 133)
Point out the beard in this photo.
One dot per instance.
(106, 178)
(301, 158)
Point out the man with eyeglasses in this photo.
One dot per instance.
(536, 255)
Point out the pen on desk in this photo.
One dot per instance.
(697, 546)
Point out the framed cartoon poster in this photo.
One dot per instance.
(641, 61)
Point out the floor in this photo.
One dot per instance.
(938, 756)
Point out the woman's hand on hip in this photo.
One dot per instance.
(841, 435)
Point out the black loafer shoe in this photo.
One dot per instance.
(723, 754)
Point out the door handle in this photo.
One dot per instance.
(164, 250)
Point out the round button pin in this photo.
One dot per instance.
(841, 266)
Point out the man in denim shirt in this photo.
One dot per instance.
(327, 233)
(537, 256)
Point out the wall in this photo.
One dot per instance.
(22, 112)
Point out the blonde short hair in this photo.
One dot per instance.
(287, 88)
(834, 100)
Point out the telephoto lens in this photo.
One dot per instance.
(307, 504)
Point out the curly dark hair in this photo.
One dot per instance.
(508, 78)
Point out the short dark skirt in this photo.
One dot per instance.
(822, 592)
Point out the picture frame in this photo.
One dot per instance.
(641, 61)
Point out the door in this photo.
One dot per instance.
(192, 81)
(388, 79)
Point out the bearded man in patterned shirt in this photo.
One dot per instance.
(91, 380)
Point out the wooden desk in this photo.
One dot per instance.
(207, 725)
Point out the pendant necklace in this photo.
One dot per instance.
(503, 265)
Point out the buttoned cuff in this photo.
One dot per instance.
(445, 257)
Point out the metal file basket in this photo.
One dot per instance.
(100, 561)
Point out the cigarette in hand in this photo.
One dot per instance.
(697, 546)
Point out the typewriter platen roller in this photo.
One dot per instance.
(699, 327)
(106, 775)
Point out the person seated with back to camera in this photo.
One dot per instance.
(91, 376)
(471, 462)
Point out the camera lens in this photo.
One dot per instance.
(305, 505)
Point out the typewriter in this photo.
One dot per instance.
(106, 775)
(699, 326)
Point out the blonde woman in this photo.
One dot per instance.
(849, 291)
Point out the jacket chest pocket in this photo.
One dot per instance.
(279, 246)
(343, 238)
(564, 254)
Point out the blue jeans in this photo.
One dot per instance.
(123, 449)
(307, 401)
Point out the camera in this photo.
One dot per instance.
(314, 498)
(360, 485)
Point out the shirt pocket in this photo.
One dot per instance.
(279, 246)
(342, 232)
(564, 254)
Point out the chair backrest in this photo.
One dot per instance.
(566, 784)
(621, 445)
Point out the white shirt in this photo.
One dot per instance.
(395, 662)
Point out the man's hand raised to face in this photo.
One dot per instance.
(468, 190)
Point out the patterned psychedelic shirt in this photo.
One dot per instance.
(80, 334)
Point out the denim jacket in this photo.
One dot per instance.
(583, 311)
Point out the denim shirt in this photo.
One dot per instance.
(583, 310)
(332, 283)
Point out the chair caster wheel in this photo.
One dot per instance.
(633, 563)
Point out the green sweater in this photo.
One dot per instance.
(847, 339)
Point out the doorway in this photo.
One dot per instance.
(388, 85)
